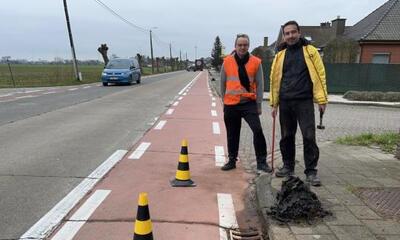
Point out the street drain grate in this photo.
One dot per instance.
(245, 234)
(384, 201)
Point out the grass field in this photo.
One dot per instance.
(52, 75)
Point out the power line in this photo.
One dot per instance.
(120, 17)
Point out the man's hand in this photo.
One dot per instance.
(322, 107)
(274, 111)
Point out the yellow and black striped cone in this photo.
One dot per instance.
(182, 178)
(143, 228)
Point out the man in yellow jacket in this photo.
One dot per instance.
(297, 80)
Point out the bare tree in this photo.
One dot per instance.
(103, 51)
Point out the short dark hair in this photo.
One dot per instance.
(291, 23)
(242, 35)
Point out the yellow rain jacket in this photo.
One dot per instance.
(315, 68)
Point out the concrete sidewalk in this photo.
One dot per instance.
(352, 176)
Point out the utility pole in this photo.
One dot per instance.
(186, 56)
(170, 56)
(180, 59)
(71, 41)
(195, 52)
(151, 49)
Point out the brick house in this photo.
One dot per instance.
(377, 35)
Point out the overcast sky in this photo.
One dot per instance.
(34, 29)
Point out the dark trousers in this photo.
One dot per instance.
(290, 113)
(233, 115)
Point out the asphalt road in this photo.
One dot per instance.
(51, 141)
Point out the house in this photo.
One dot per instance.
(378, 34)
(374, 39)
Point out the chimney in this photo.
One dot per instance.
(325, 24)
(339, 25)
(265, 41)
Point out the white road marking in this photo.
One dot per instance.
(45, 93)
(216, 129)
(219, 156)
(27, 96)
(213, 99)
(33, 91)
(169, 111)
(7, 95)
(43, 228)
(160, 125)
(213, 113)
(140, 150)
(69, 230)
(175, 104)
(72, 89)
(213, 104)
(87, 87)
(227, 215)
(180, 98)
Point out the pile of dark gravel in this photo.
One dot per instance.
(296, 202)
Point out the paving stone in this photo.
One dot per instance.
(363, 212)
(387, 182)
(319, 228)
(352, 233)
(350, 200)
(338, 189)
(280, 232)
(315, 237)
(388, 237)
(381, 227)
(342, 218)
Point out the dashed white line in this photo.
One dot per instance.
(169, 111)
(175, 104)
(216, 129)
(184, 94)
(7, 95)
(72, 89)
(33, 91)
(219, 156)
(43, 228)
(87, 87)
(140, 150)
(27, 96)
(213, 113)
(160, 125)
(45, 93)
(213, 99)
(69, 230)
(180, 98)
(213, 104)
(227, 215)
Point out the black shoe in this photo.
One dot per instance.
(229, 165)
(264, 167)
(284, 172)
(314, 180)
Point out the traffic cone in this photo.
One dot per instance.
(143, 229)
(182, 178)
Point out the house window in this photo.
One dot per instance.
(382, 58)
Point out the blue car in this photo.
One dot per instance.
(121, 71)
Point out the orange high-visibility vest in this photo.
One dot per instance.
(234, 90)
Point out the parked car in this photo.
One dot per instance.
(121, 71)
